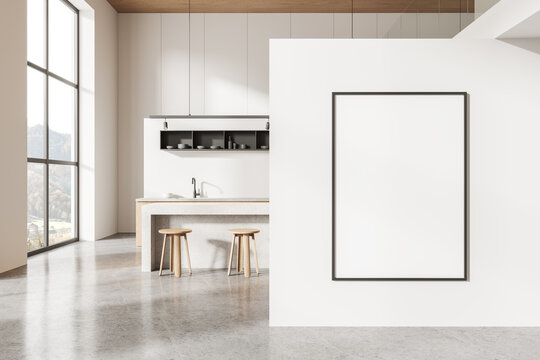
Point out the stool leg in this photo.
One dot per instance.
(255, 253)
(171, 261)
(187, 253)
(162, 255)
(231, 256)
(247, 263)
(239, 256)
(177, 256)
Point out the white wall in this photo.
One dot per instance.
(227, 69)
(106, 118)
(219, 174)
(98, 198)
(504, 192)
(87, 122)
(139, 95)
(13, 134)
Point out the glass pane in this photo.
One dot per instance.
(36, 113)
(62, 184)
(62, 99)
(36, 32)
(36, 206)
(62, 40)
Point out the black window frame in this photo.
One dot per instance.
(46, 160)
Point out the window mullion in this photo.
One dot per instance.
(46, 222)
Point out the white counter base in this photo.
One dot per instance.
(150, 212)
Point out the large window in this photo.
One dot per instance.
(52, 118)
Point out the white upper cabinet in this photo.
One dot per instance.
(312, 26)
(261, 28)
(175, 64)
(449, 25)
(342, 25)
(389, 25)
(225, 78)
(428, 25)
(217, 64)
(197, 65)
(365, 26)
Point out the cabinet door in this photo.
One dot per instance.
(197, 64)
(225, 64)
(365, 26)
(312, 26)
(262, 28)
(175, 64)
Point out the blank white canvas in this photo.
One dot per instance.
(399, 186)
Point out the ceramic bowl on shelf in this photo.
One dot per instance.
(169, 147)
(215, 147)
(264, 147)
(201, 147)
(183, 146)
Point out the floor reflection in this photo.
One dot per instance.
(91, 301)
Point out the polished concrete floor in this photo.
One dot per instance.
(90, 301)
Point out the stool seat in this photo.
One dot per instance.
(244, 231)
(174, 231)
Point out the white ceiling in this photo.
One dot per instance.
(528, 28)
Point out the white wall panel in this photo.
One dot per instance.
(312, 26)
(409, 26)
(388, 25)
(428, 26)
(466, 19)
(365, 26)
(342, 25)
(449, 24)
(225, 64)
(197, 105)
(175, 64)
(261, 28)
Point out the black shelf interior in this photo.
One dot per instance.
(253, 139)
(174, 138)
(208, 138)
(263, 139)
(246, 138)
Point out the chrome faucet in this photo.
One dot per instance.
(195, 193)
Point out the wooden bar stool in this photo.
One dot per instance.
(175, 253)
(243, 250)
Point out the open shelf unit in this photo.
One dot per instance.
(253, 139)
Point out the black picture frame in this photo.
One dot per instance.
(465, 95)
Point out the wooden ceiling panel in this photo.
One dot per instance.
(150, 6)
(292, 6)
